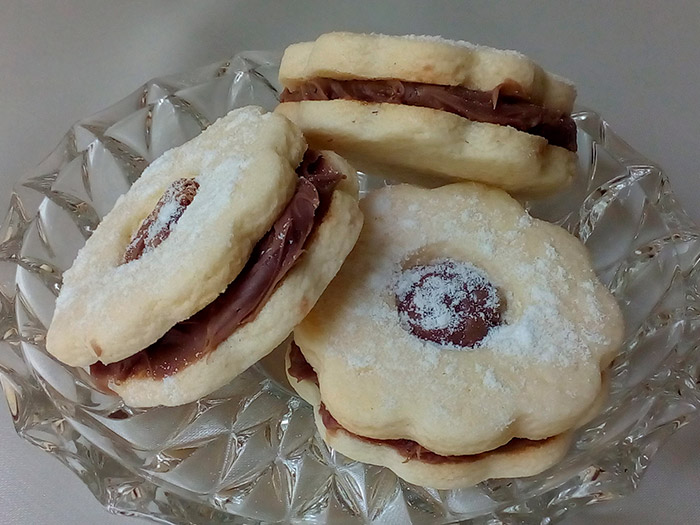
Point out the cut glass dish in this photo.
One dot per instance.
(250, 452)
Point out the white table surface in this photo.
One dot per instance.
(637, 63)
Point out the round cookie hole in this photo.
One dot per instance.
(156, 227)
(448, 302)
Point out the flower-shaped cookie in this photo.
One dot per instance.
(458, 325)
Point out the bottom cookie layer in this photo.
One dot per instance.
(429, 147)
(520, 459)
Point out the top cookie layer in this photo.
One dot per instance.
(431, 60)
(245, 166)
(533, 376)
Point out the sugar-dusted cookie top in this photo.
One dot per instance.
(177, 238)
(460, 322)
(425, 59)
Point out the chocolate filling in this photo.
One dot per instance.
(157, 226)
(271, 259)
(301, 370)
(299, 367)
(502, 105)
(448, 302)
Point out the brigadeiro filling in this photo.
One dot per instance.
(503, 105)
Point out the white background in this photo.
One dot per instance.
(637, 63)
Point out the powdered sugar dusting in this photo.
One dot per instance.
(165, 215)
(540, 333)
(360, 361)
(489, 378)
(525, 221)
(157, 226)
(446, 302)
(477, 47)
(459, 43)
(551, 315)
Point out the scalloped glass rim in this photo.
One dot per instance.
(643, 245)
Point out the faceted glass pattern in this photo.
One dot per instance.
(250, 452)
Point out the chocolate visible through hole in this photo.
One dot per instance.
(157, 226)
(447, 302)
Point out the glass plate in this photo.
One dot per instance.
(249, 452)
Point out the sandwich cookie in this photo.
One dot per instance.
(418, 465)
(208, 262)
(426, 109)
(458, 327)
